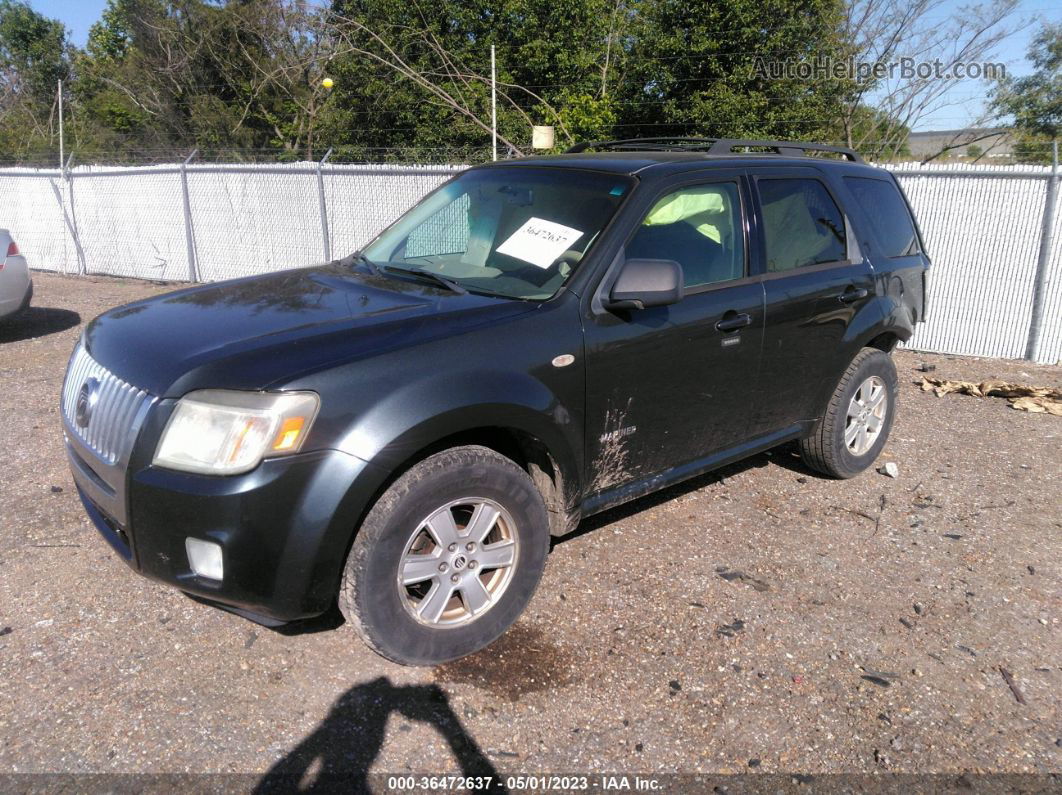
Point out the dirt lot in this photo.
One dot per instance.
(757, 619)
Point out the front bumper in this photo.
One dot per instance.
(284, 528)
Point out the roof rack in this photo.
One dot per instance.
(645, 144)
(715, 146)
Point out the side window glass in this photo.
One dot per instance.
(888, 214)
(802, 224)
(700, 228)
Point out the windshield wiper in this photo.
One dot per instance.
(383, 270)
(430, 276)
(357, 256)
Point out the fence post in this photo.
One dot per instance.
(189, 235)
(325, 240)
(68, 178)
(1036, 322)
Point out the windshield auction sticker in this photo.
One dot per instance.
(539, 242)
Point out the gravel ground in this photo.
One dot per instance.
(759, 618)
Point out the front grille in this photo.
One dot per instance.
(116, 408)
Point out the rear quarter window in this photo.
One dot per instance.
(887, 213)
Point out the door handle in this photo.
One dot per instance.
(732, 321)
(853, 294)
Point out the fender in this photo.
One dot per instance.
(438, 405)
(882, 314)
(899, 318)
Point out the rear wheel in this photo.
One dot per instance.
(447, 558)
(858, 418)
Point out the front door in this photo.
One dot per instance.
(670, 385)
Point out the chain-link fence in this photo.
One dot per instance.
(994, 237)
(204, 222)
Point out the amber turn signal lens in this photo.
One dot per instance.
(288, 435)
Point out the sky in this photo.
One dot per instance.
(78, 16)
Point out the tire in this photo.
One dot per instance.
(26, 300)
(460, 491)
(828, 450)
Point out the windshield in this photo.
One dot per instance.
(519, 232)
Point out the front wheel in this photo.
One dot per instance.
(447, 558)
(858, 418)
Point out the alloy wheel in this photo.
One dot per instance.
(866, 416)
(458, 562)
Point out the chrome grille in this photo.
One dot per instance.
(117, 410)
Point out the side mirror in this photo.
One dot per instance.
(643, 283)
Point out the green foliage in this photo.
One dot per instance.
(33, 58)
(110, 37)
(1035, 101)
(597, 69)
(695, 68)
(885, 138)
(588, 117)
(242, 78)
(33, 48)
(550, 62)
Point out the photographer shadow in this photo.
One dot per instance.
(339, 753)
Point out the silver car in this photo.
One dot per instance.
(16, 287)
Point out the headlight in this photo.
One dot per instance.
(221, 432)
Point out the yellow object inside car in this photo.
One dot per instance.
(706, 209)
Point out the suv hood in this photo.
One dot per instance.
(258, 332)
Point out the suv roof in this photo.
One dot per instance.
(633, 155)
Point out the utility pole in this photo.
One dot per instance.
(493, 106)
(61, 158)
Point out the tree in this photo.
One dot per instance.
(147, 83)
(239, 76)
(703, 68)
(862, 126)
(417, 75)
(234, 78)
(1035, 101)
(33, 58)
(932, 37)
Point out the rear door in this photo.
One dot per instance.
(815, 281)
(897, 251)
(669, 385)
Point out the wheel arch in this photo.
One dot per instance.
(878, 325)
(881, 322)
(556, 482)
(886, 341)
(522, 435)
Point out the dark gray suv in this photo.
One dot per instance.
(538, 340)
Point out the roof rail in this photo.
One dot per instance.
(665, 144)
(726, 146)
(716, 146)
